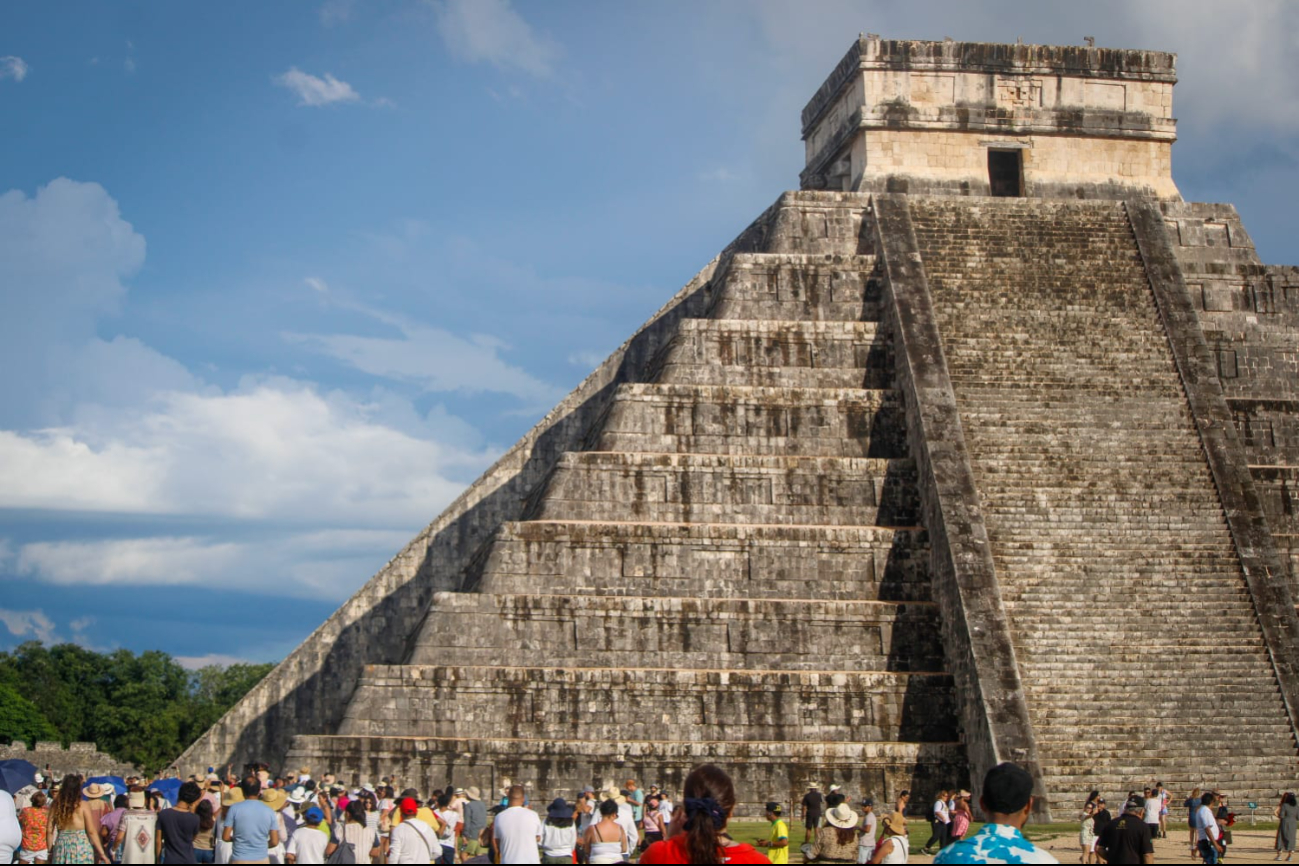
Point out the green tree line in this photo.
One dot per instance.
(143, 709)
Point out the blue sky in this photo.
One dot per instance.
(278, 279)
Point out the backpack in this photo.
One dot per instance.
(345, 853)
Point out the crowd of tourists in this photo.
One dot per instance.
(254, 818)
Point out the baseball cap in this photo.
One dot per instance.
(773, 806)
(408, 806)
(867, 801)
(314, 815)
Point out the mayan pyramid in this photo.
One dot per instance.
(983, 445)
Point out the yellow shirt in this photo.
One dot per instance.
(425, 814)
(779, 831)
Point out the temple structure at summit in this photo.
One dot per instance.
(982, 446)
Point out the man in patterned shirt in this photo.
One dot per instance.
(1007, 801)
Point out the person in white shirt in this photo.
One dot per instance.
(517, 831)
(452, 821)
(1208, 836)
(413, 841)
(626, 818)
(11, 833)
(866, 831)
(941, 821)
(309, 845)
(665, 808)
(1153, 805)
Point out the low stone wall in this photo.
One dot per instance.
(83, 758)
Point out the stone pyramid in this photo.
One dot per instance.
(978, 448)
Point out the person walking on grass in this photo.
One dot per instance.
(866, 831)
(894, 846)
(1129, 838)
(777, 841)
(1007, 800)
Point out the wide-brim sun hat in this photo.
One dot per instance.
(275, 798)
(473, 793)
(298, 796)
(614, 794)
(95, 790)
(842, 816)
(560, 808)
(231, 797)
(895, 824)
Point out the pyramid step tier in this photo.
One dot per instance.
(593, 631)
(760, 286)
(674, 703)
(689, 488)
(761, 770)
(707, 419)
(710, 561)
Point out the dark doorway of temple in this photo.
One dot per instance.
(1006, 173)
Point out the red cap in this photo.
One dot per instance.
(408, 806)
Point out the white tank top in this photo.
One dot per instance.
(899, 851)
(606, 852)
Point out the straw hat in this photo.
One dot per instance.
(895, 825)
(612, 793)
(275, 798)
(95, 790)
(473, 793)
(232, 796)
(842, 816)
(135, 800)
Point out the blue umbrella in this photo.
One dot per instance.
(169, 788)
(117, 782)
(16, 775)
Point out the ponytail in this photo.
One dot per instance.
(708, 802)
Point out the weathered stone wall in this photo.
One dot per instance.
(920, 117)
(83, 758)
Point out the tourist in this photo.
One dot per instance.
(276, 800)
(587, 810)
(1151, 806)
(110, 821)
(836, 842)
(452, 824)
(411, 841)
(475, 821)
(1129, 837)
(652, 825)
(250, 826)
(1208, 837)
(11, 831)
(558, 833)
(1087, 833)
(205, 839)
(636, 797)
(665, 809)
(178, 826)
(605, 841)
(1007, 801)
(34, 822)
(940, 820)
(625, 818)
(354, 833)
(1287, 815)
(904, 800)
(228, 799)
(813, 808)
(866, 831)
(74, 825)
(1164, 797)
(894, 846)
(698, 831)
(962, 817)
(425, 813)
(517, 830)
(1103, 817)
(1192, 805)
(777, 841)
(138, 829)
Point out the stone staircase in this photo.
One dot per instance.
(1132, 623)
(733, 570)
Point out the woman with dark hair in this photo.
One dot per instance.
(697, 833)
(558, 835)
(1287, 813)
(364, 841)
(205, 839)
(605, 841)
(75, 826)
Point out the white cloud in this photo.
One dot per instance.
(194, 663)
(314, 564)
(492, 31)
(272, 449)
(336, 12)
(82, 623)
(586, 359)
(13, 67)
(32, 624)
(315, 91)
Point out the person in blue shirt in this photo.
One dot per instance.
(1007, 801)
(251, 826)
